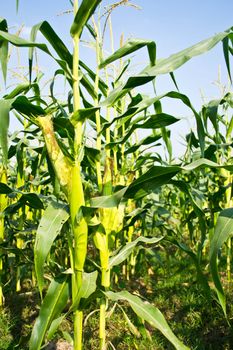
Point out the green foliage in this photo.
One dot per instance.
(150, 314)
(93, 199)
(53, 304)
(49, 228)
(222, 232)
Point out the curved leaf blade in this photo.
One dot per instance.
(5, 106)
(50, 226)
(54, 40)
(3, 49)
(85, 11)
(129, 47)
(165, 66)
(129, 247)
(150, 314)
(53, 304)
(223, 230)
(87, 288)
(175, 61)
(108, 201)
(152, 179)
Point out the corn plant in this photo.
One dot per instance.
(94, 194)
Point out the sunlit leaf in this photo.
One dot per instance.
(223, 230)
(149, 313)
(3, 48)
(85, 11)
(53, 304)
(49, 227)
(124, 253)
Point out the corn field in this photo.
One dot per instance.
(102, 230)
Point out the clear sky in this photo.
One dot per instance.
(173, 25)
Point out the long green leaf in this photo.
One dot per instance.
(88, 287)
(129, 247)
(147, 102)
(64, 54)
(175, 61)
(53, 304)
(54, 40)
(206, 163)
(150, 314)
(5, 106)
(166, 65)
(184, 187)
(54, 326)
(19, 89)
(129, 47)
(50, 226)
(20, 42)
(146, 141)
(154, 122)
(22, 105)
(85, 11)
(4, 189)
(152, 179)
(82, 114)
(225, 43)
(157, 176)
(108, 201)
(223, 230)
(3, 49)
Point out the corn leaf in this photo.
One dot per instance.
(85, 11)
(20, 42)
(32, 200)
(129, 47)
(54, 326)
(63, 53)
(165, 66)
(3, 49)
(157, 176)
(108, 201)
(225, 43)
(53, 304)
(146, 141)
(156, 121)
(5, 106)
(22, 105)
(4, 189)
(133, 329)
(82, 114)
(19, 89)
(152, 179)
(206, 163)
(87, 288)
(175, 61)
(123, 254)
(200, 275)
(223, 230)
(50, 226)
(149, 313)
(54, 40)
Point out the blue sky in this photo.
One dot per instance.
(173, 25)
